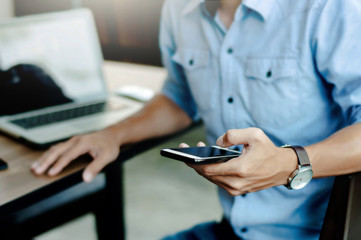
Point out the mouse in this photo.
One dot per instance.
(139, 93)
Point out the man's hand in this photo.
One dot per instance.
(161, 116)
(261, 165)
(100, 145)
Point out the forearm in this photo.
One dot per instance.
(339, 154)
(159, 117)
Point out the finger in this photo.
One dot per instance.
(183, 145)
(227, 182)
(95, 167)
(223, 182)
(201, 144)
(53, 150)
(38, 162)
(218, 169)
(216, 179)
(50, 157)
(66, 158)
(240, 137)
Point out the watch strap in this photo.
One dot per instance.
(302, 155)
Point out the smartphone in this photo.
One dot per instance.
(200, 155)
(3, 165)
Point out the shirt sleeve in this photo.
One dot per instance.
(337, 53)
(175, 87)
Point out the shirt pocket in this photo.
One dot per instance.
(199, 76)
(273, 97)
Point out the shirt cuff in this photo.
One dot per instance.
(354, 115)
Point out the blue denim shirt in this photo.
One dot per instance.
(291, 68)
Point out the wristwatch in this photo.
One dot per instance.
(303, 174)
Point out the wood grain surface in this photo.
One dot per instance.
(18, 180)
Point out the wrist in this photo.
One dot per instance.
(290, 163)
(115, 133)
(302, 175)
(312, 153)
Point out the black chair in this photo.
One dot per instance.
(343, 216)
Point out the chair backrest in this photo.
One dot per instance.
(343, 216)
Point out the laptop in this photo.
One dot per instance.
(51, 81)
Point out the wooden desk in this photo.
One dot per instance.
(20, 190)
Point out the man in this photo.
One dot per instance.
(259, 74)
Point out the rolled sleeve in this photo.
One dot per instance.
(338, 54)
(175, 87)
(354, 114)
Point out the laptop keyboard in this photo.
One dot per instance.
(63, 115)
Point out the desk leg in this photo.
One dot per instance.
(109, 212)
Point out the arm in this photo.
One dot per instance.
(336, 55)
(160, 117)
(339, 154)
(337, 60)
(165, 114)
(263, 165)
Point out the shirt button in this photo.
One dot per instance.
(244, 195)
(244, 230)
(230, 100)
(230, 50)
(269, 74)
(191, 62)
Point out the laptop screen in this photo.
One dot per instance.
(48, 60)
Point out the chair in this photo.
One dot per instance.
(343, 216)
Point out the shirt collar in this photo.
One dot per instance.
(191, 5)
(209, 6)
(263, 8)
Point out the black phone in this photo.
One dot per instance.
(200, 155)
(3, 165)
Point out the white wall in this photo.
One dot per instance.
(6, 8)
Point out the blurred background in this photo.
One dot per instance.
(162, 196)
(128, 29)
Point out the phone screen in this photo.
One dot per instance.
(205, 152)
(3, 165)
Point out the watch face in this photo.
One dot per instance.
(301, 179)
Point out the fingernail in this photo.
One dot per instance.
(52, 171)
(87, 177)
(34, 165)
(38, 170)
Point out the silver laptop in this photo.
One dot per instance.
(51, 81)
